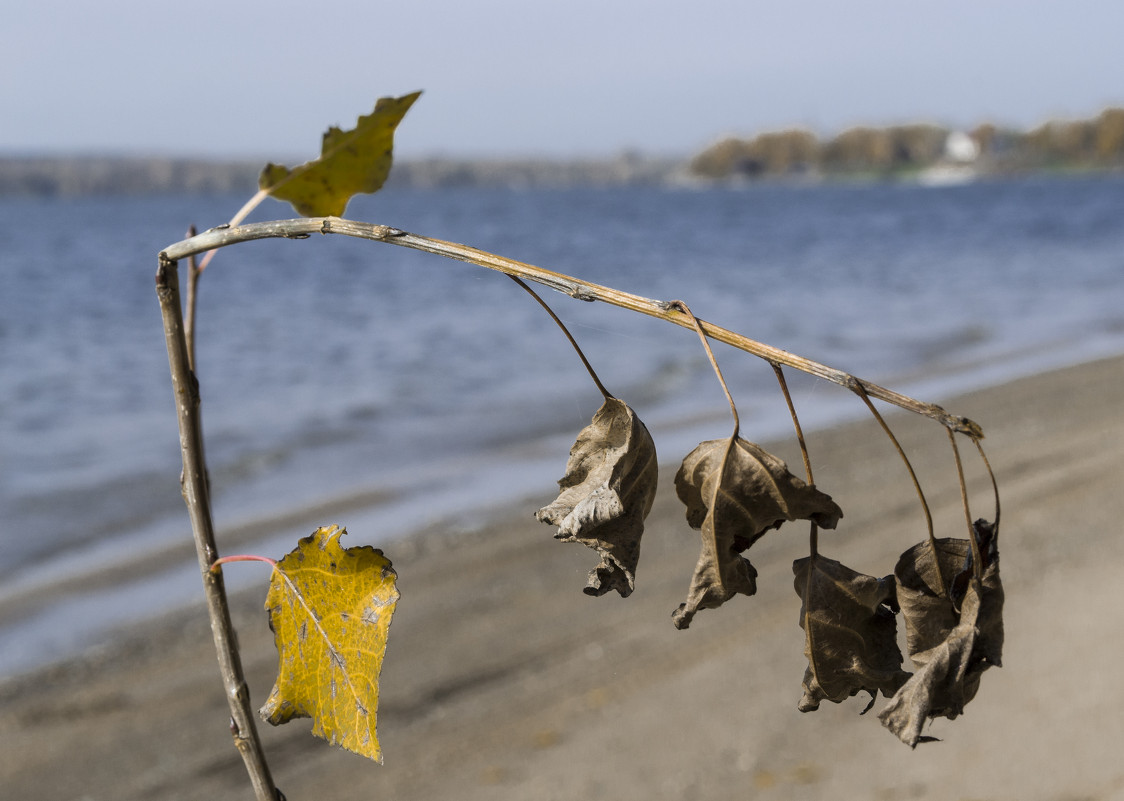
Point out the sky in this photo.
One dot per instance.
(511, 78)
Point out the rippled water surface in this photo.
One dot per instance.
(330, 366)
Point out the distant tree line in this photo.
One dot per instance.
(123, 175)
(95, 175)
(864, 151)
(1082, 144)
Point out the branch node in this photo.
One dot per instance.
(326, 226)
(394, 232)
(971, 428)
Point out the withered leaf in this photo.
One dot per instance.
(330, 610)
(850, 632)
(735, 491)
(953, 637)
(607, 492)
(930, 615)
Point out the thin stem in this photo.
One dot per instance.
(795, 421)
(193, 271)
(977, 561)
(994, 484)
(197, 498)
(238, 217)
(916, 485)
(681, 306)
(575, 288)
(814, 532)
(569, 336)
(242, 557)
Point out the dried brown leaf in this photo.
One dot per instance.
(952, 638)
(850, 632)
(930, 615)
(607, 492)
(735, 491)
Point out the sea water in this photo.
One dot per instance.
(428, 390)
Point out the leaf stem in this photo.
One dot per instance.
(861, 392)
(575, 288)
(795, 420)
(994, 484)
(242, 213)
(197, 497)
(569, 336)
(193, 271)
(977, 560)
(814, 532)
(681, 306)
(243, 557)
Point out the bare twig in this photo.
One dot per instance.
(193, 272)
(238, 217)
(574, 287)
(197, 498)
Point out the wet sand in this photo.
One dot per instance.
(504, 681)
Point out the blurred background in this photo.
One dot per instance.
(926, 195)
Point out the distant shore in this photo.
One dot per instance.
(503, 680)
(93, 176)
(78, 176)
(923, 152)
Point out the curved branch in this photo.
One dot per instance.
(574, 287)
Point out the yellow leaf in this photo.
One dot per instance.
(330, 611)
(350, 162)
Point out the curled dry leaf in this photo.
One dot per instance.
(952, 638)
(735, 491)
(607, 492)
(850, 632)
(330, 611)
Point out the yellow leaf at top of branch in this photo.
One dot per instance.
(350, 163)
(330, 611)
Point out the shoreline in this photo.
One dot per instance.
(503, 680)
(95, 593)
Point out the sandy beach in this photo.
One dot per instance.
(504, 681)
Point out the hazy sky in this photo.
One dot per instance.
(530, 77)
